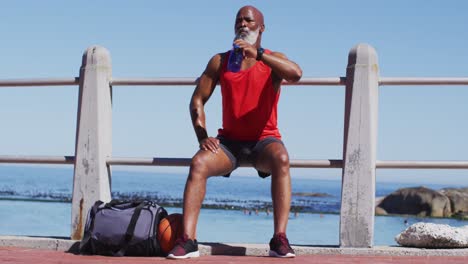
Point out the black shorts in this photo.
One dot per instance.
(245, 151)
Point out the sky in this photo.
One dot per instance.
(151, 39)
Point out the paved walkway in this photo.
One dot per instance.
(16, 255)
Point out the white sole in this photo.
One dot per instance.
(194, 254)
(274, 254)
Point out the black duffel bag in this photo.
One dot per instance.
(123, 228)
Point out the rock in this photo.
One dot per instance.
(458, 199)
(419, 201)
(380, 211)
(429, 235)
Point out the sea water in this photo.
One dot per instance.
(36, 202)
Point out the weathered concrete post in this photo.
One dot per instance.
(359, 149)
(91, 180)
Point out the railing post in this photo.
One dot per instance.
(359, 149)
(91, 180)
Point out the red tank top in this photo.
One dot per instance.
(250, 103)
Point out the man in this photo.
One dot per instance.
(249, 132)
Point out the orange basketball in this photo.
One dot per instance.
(169, 230)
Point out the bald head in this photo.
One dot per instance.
(249, 25)
(257, 14)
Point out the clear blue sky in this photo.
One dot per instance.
(41, 39)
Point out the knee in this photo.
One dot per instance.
(198, 168)
(281, 160)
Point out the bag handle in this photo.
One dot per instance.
(120, 204)
(130, 229)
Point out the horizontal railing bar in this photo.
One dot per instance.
(422, 81)
(399, 164)
(175, 162)
(300, 163)
(336, 81)
(154, 81)
(40, 82)
(319, 81)
(38, 159)
(186, 162)
(295, 163)
(192, 81)
(305, 81)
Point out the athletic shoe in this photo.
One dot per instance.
(280, 248)
(184, 248)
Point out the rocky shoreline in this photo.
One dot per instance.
(301, 203)
(425, 202)
(413, 201)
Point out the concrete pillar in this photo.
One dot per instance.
(91, 180)
(359, 149)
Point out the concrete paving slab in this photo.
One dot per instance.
(239, 249)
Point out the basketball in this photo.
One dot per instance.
(169, 230)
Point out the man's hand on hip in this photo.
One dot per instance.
(210, 143)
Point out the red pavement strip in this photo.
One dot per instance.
(39, 256)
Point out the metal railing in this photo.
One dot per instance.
(93, 155)
(332, 81)
(40, 82)
(185, 162)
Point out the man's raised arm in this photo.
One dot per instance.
(282, 66)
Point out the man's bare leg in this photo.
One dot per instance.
(204, 165)
(275, 159)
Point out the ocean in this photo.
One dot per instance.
(35, 201)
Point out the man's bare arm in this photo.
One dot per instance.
(205, 87)
(281, 66)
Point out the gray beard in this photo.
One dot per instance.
(249, 36)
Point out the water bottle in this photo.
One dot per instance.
(235, 59)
